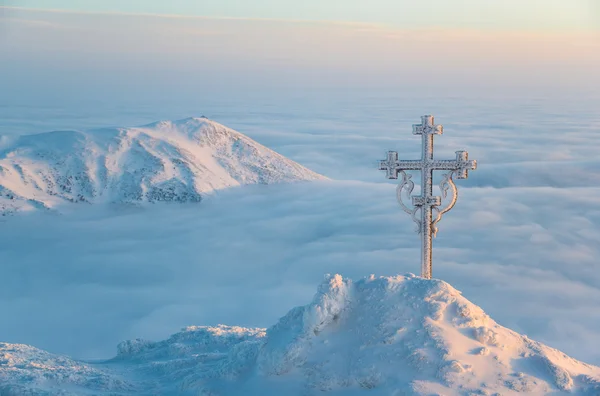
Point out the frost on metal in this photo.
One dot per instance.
(426, 209)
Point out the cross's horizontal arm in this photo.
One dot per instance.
(445, 165)
(409, 165)
(434, 165)
(453, 165)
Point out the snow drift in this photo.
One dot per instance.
(165, 161)
(400, 335)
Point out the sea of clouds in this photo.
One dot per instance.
(522, 241)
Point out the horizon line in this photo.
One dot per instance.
(174, 16)
(372, 25)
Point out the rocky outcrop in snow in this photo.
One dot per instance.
(378, 336)
(165, 161)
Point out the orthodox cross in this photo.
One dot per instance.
(427, 203)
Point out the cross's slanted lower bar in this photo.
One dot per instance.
(427, 201)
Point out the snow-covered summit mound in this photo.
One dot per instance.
(164, 161)
(407, 335)
(379, 336)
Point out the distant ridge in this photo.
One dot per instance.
(173, 161)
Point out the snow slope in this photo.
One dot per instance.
(398, 335)
(164, 161)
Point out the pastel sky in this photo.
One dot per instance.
(141, 49)
(503, 14)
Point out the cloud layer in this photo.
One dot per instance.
(87, 280)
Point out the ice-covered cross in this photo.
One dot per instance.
(427, 203)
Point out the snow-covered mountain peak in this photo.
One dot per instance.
(399, 335)
(191, 126)
(164, 161)
(423, 336)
